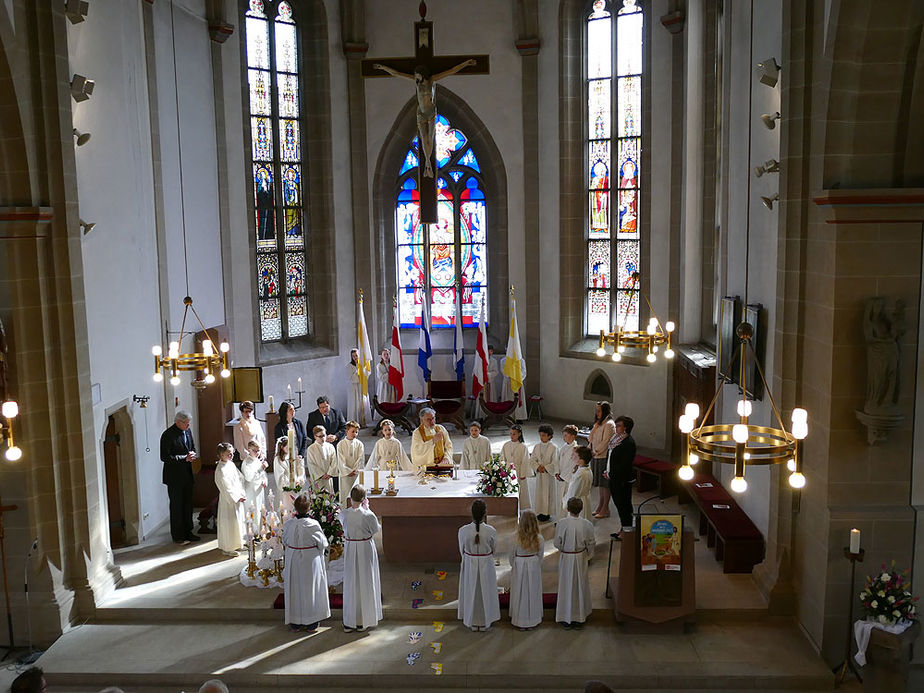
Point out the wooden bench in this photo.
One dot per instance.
(738, 544)
(656, 475)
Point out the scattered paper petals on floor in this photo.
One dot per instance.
(414, 637)
(437, 668)
(412, 658)
(437, 647)
(415, 585)
(438, 626)
(440, 574)
(438, 595)
(416, 603)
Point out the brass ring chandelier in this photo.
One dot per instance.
(208, 360)
(652, 338)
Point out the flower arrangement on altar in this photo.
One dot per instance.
(325, 510)
(886, 598)
(496, 477)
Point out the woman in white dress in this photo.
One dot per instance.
(389, 448)
(281, 474)
(526, 573)
(362, 585)
(355, 397)
(321, 462)
(516, 453)
(304, 576)
(383, 389)
(253, 469)
(479, 606)
(231, 498)
(248, 428)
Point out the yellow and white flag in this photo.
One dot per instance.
(514, 363)
(365, 359)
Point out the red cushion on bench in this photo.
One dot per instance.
(659, 467)
(393, 408)
(549, 600)
(336, 601)
(731, 523)
(499, 407)
(641, 460)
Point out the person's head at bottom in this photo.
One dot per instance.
(575, 506)
(301, 506)
(213, 686)
(597, 687)
(32, 680)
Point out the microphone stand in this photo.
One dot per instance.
(32, 655)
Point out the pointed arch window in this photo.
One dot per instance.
(613, 81)
(278, 173)
(435, 261)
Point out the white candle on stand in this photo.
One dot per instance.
(855, 541)
(289, 390)
(271, 402)
(299, 384)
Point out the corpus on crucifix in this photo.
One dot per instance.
(425, 70)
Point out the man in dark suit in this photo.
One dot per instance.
(177, 451)
(328, 417)
(621, 471)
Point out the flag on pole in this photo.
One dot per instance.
(514, 363)
(365, 359)
(424, 351)
(458, 347)
(396, 360)
(480, 372)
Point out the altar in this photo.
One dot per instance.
(421, 523)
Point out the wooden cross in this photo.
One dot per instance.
(426, 69)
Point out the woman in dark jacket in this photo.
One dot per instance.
(621, 471)
(286, 417)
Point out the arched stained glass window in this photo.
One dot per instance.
(435, 261)
(278, 174)
(614, 130)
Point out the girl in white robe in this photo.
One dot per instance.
(305, 573)
(321, 462)
(351, 455)
(581, 482)
(231, 498)
(516, 453)
(253, 469)
(362, 585)
(389, 448)
(355, 396)
(526, 573)
(476, 450)
(566, 464)
(479, 605)
(574, 539)
(544, 463)
(281, 473)
(383, 389)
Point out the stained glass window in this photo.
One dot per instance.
(614, 128)
(434, 262)
(271, 35)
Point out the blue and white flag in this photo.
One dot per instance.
(424, 350)
(458, 346)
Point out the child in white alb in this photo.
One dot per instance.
(389, 448)
(544, 460)
(231, 498)
(581, 480)
(574, 539)
(516, 453)
(351, 455)
(477, 448)
(479, 606)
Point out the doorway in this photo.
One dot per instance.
(121, 479)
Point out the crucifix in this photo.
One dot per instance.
(425, 69)
(6, 581)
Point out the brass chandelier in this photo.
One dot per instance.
(652, 338)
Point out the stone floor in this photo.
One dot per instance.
(181, 616)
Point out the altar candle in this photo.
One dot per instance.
(271, 402)
(289, 390)
(362, 478)
(855, 541)
(375, 478)
(300, 384)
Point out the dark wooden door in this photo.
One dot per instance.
(111, 462)
(694, 381)
(211, 426)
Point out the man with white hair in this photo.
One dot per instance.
(431, 445)
(213, 686)
(177, 452)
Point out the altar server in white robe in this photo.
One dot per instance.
(350, 458)
(321, 462)
(526, 573)
(281, 465)
(231, 498)
(544, 463)
(566, 465)
(305, 573)
(581, 480)
(384, 390)
(362, 585)
(389, 448)
(574, 539)
(476, 450)
(493, 393)
(516, 453)
(355, 396)
(253, 469)
(479, 605)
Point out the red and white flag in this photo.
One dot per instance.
(396, 361)
(480, 372)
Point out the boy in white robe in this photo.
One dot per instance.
(389, 448)
(305, 573)
(362, 585)
(253, 469)
(479, 605)
(544, 462)
(516, 453)
(281, 464)
(574, 539)
(476, 450)
(351, 455)
(321, 462)
(526, 573)
(581, 480)
(231, 498)
(566, 464)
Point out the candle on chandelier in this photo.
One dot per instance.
(300, 384)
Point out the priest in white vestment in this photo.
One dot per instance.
(574, 539)
(479, 605)
(231, 498)
(544, 464)
(389, 448)
(431, 445)
(321, 462)
(350, 458)
(476, 450)
(362, 585)
(526, 573)
(305, 573)
(253, 469)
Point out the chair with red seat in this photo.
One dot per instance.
(399, 412)
(498, 412)
(447, 397)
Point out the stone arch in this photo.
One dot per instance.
(598, 386)
(15, 171)
(494, 174)
(128, 473)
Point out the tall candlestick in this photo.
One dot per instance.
(855, 541)
(271, 403)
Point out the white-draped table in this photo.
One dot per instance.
(421, 523)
